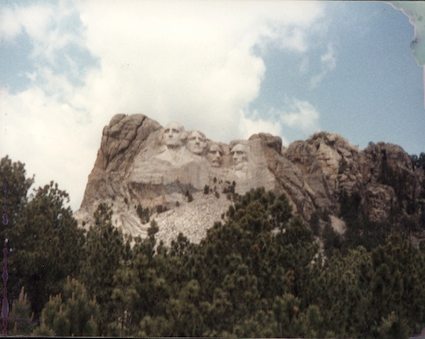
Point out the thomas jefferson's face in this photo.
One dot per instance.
(173, 135)
(214, 155)
(239, 156)
(196, 142)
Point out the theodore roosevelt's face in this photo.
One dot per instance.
(173, 135)
(196, 142)
(239, 156)
(215, 155)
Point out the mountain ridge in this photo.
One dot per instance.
(186, 181)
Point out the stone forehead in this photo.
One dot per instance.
(239, 147)
(197, 133)
(175, 125)
(215, 147)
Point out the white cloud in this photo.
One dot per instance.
(294, 40)
(43, 23)
(43, 133)
(301, 115)
(34, 19)
(328, 64)
(304, 65)
(10, 27)
(187, 61)
(249, 126)
(328, 59)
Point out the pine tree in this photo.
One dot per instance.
(14, 187)
(183, 312)
(46, 245)
(287, 314)
(393, 327)
(71, 313)
(21, 318)
(124, 297)
(104, 254)
(343, 290)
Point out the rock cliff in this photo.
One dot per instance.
(186, 181)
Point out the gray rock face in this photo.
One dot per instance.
(328, 164)
(184, 180)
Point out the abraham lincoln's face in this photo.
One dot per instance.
(239, 156)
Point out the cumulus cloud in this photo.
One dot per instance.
(252, 125)
(10, 27)
(328, 64)
(44, 25)
(51, 144)
(187, 61)
(301, 115)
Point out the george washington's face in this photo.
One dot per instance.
(196, 142)
(239, 156)
(172, 135)
(215, 155)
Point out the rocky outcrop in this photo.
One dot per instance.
(382, 175)
(329, 164)
(186, 181)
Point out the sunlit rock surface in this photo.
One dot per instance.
(184, 181)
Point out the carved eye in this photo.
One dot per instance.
(174, 130)
(167, 130)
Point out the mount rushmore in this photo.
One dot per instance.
(185, 181)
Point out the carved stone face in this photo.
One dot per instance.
(196, 142)
(239, 156)
(172, 135)
(215, 155)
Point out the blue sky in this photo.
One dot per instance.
(374, 93)
(229, 69)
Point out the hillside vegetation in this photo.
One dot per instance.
(260, 272)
